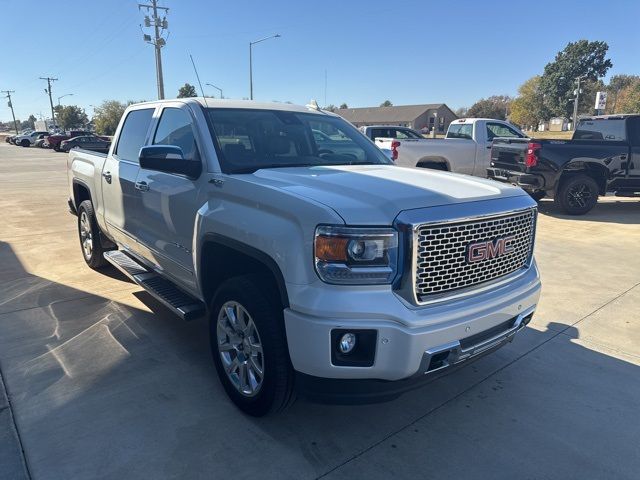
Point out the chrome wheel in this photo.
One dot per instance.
(240, 348)
(86, 237)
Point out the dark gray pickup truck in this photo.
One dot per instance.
(602, 157)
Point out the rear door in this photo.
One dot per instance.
(119, 176)
(168, 202)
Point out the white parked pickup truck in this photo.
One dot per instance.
(465, 149)
(321, 266)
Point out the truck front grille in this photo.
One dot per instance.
(500, 245)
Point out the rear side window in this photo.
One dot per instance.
(133, 134)
(611, 130)
(175, 129)
(460, 130)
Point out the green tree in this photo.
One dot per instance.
(525, 110)
(386, 103)
(70, 116)
(343, 106)
(107, 116)
(581, 59)
(495, 106)
(330, 108)
(186, 91)
(32, 121)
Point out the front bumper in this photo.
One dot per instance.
(408, 339)
(528, 181)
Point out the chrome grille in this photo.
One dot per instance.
(442, 250)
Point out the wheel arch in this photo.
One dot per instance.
(222, 258)
(424, 162)
(595, 170)
(81, 192)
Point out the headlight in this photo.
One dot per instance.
(354, 255)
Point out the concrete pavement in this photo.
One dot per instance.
(105, 383)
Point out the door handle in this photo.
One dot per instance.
(107, 176)
(142, 186)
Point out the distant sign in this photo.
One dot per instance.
(601, 100)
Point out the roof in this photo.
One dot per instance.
(400, 113)
(230, 103)
(608, 117)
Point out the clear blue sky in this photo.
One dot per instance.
(407, 51)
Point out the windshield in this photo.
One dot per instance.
(248, 140)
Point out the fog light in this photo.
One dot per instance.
(347, 342)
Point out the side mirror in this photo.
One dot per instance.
(169, 159)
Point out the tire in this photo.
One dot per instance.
(433, 166)
(25, 143)
(263, 326)
(89, 235)
(577, 194)
(537, 195)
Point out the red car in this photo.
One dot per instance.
(55, 140)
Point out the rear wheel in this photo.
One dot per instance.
(433, 166)
(89, 234)
(249, 345)
(25, 143)
(577, 194)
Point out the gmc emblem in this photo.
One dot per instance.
(477, 252)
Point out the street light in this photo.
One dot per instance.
(251, 44)
(62, 96)
(217, 88)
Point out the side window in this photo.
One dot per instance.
(133, 134)
(175, 128)
(500, 130)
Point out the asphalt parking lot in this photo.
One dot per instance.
(102, 382)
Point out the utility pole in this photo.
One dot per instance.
(9, 92)
(48, 90)
(576, 102)
(159, 26)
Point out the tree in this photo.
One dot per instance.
(330, 108)
(386, 103)
(492, 107)
(107, 116)
(525, 110)
(343, 106)
(461, 112)
(583, 59)
(70, 116)
(32, 121)
(617, 83)
(186, 91)
(629, 98)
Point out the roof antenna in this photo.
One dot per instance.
(199, 82)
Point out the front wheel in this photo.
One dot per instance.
(249, 345)
(89, 234)
(25, 143)
(577, 194)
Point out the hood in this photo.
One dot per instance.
(376, 194)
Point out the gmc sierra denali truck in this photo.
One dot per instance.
(602, 157)
(334, 273)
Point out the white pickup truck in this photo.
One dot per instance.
(321, 267)
(465, 149)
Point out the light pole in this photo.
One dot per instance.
(217, 88)
(62, 96)
(576, 102)
(251, 44)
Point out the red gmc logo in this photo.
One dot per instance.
(477, 252)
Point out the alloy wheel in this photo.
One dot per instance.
(86, 236)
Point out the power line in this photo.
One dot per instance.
(9, 92)
(159, 26)
(48, 90)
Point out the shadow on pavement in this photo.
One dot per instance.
(610, 211)
(106, 389)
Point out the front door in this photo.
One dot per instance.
(169, 202)
(119, 175)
